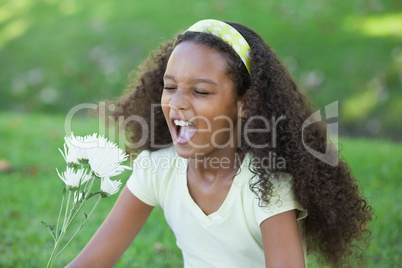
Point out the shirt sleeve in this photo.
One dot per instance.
(283, 199)
(142, 182)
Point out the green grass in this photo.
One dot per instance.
(56, 54)
(31, 192)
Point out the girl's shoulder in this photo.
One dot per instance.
(282, 198)
(281, 181)
(153, 173)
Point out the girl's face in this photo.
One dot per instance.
(199, 102)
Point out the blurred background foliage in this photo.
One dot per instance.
(55, 54)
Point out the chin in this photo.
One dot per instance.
(189, 152)
(184, 152)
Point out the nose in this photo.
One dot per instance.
(179, 101)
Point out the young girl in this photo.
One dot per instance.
(224, 154)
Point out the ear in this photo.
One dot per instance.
(240, 104)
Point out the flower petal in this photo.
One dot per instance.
(109, 187)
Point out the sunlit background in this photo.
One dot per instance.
(56, 54)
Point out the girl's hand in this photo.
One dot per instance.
(115, 234)
(282, 241)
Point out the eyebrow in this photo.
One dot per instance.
(193, 81)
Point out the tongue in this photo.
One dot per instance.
(185, 134)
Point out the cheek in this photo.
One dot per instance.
(165, 104)
(164, 99)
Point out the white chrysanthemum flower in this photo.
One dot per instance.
(102, 142)
(104, 156)
(72, 179)
(109, 187)
(106, 161)
(78, 147)
(69, 155)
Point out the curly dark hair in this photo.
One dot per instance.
(335, 228)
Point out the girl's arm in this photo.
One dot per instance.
(115, 234)
(282, 242)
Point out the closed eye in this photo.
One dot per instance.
(202, 92)
(169, 88)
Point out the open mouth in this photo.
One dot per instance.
(183, 131)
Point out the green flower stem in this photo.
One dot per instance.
(56, 244)
(80, 227)
(70, 213)
(63, 229)
(88, 186)
(61, 209)
(70, 218)
(62, 232)
(84, 198)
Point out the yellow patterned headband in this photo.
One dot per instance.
(228, 34)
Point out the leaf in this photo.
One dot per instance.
(50, 228)
(93, 194)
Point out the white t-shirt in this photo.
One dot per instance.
(229, 237)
